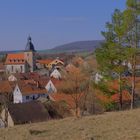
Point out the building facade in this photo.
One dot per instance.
(27, 94)
(21, 62)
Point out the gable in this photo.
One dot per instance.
(50, 86)
(12, 78)
(17, 91)
(56, 74)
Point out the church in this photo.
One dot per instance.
(22, 62)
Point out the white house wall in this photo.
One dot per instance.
(50, 86)
(15, 69)
(32, 97)
(12, 78)
(17, 96)
(56, 74)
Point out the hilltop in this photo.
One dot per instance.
(78, 46)
(109, 126)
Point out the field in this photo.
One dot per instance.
(109, 126)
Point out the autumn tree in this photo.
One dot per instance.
(75, 84)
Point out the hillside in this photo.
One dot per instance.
(109, 126)
(79, 46)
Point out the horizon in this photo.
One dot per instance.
(52, 24)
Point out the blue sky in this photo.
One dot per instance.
(53, 22)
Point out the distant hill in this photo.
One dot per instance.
(79, 46)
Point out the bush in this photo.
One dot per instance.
(111, 106)
(57, 110)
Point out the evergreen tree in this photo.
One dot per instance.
(132, 29)
(113, 55)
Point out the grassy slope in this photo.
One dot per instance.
(109, 126)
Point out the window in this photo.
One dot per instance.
(12, 67)
(21, 68)
(33, 97)
(27, 97)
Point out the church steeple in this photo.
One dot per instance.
(29, 46)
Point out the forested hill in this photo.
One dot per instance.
(78, 46)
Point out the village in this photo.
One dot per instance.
(70, 70)
(35, 90)
(24, 86)
(27, 83)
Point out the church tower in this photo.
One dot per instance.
(29, 55)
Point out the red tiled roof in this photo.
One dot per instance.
(15, 59)
(26, 76)
(30, 88)
(56, 82)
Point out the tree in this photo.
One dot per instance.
(113, 55)
(75, 84)
(132, 29)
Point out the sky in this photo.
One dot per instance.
(53, 22)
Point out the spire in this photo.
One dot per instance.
(29, 46)
(29, 38)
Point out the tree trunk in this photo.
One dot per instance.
(120, 93)
(6, 115)
(76, 110)
(133, 82)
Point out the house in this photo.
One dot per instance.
(30, 112)
(26, 91)
(56, 74)
(12, 78)
(49, 63)
(2, 68)
(2, 124)
(98, 78)
(21, 62)
(56, 63)
(50, 87)
(43, 63)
